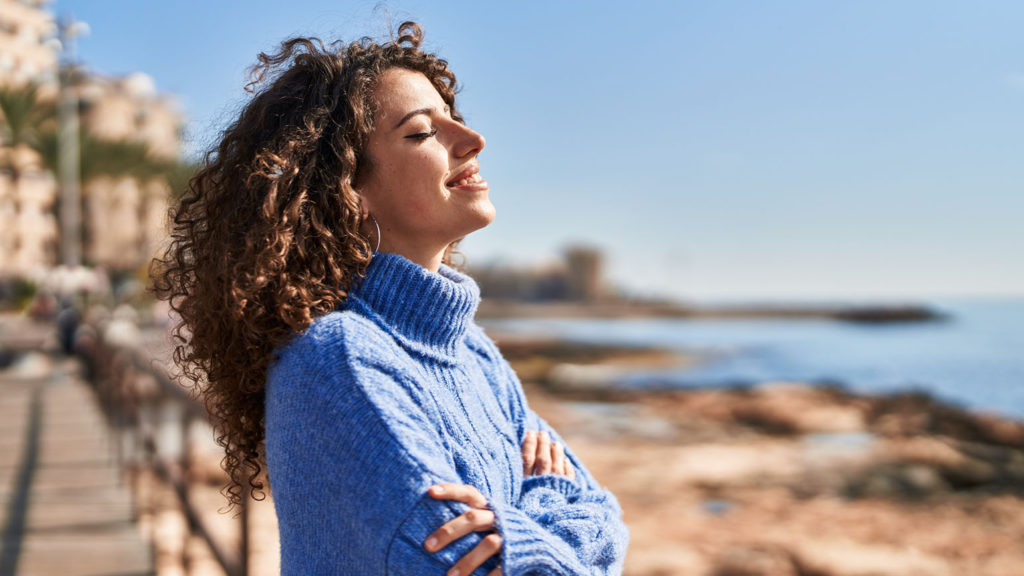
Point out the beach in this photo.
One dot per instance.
(787, 478)
(768, 478)
(779, 478)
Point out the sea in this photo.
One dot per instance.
(974, 358)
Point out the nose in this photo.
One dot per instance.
(469, 143)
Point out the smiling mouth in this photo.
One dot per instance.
(472, 179)
(468, 175)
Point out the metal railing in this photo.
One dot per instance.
(153, 417)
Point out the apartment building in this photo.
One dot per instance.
(28, 192)
(122, 217)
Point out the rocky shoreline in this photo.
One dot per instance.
(778, 478)
(495, 308)
(788, 478)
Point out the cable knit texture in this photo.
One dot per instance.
(396, 392)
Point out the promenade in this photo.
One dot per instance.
(63, 507)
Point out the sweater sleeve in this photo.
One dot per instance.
(580, 512)
(351, 451)
(352, 448)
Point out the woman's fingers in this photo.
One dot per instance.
(489, 546)
(543, 464)
(475, 520)
(461, 492)
(529, 452)
(495, 572)
(479, 519)
(542, 456)
(558, 459)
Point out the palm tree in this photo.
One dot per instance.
(30, 122)
(25, 121)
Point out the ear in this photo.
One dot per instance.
(364, 208)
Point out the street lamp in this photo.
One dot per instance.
(69, 172)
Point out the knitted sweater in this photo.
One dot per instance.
(395, 392)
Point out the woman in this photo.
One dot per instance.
(336, 345)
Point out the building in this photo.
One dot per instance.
(583, 273)
(123, 219)
(28, 192)
(26, 52)
(577, 277)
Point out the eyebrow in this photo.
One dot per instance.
(426, 111)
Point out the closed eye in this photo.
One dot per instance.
(422, 135)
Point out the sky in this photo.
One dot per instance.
(714, 151)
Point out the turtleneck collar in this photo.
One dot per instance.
(424, 310)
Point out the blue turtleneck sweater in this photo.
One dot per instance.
(398, 391)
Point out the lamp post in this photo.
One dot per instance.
(68, 152)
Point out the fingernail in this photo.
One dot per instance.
(431, 543)
(438, 489)
(454, 572)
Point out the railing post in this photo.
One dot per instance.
(244, 539)
(146, 406)
(183, 467)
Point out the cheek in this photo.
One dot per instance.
(429, 163)
(413, 185)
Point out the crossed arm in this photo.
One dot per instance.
(541, 456)
(369, 419)
(556, 528)
(573, 507)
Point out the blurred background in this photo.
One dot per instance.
(760, 263)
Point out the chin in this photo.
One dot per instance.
(477, 219)
(486, 214)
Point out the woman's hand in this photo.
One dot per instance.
(542, 456)
(479, 519)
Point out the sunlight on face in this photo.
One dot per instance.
(423, 184)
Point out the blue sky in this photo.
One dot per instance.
(757, 150)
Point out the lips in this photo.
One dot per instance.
(467, 173)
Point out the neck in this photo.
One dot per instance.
(427, 257)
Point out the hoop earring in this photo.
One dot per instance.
(376, 248)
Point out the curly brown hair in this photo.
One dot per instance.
(266, 236)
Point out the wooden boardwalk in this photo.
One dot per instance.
(63, 507)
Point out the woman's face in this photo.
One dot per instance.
(422, 184)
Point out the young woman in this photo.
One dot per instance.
(335, 344)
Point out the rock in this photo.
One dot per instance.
(756, 561)
(918, 479)
(918, 413)
(913, 481)
(652, 557)
(794, 408)
(585, 377)
(1002, 430)
(970, 473)
(847, 558)
(984, 465)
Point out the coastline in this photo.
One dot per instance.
(776, 478)
(788, 477)
(494, 308)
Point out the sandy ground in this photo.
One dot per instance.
(787, 479)
(779, 479)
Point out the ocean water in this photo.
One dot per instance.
(974, 359)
